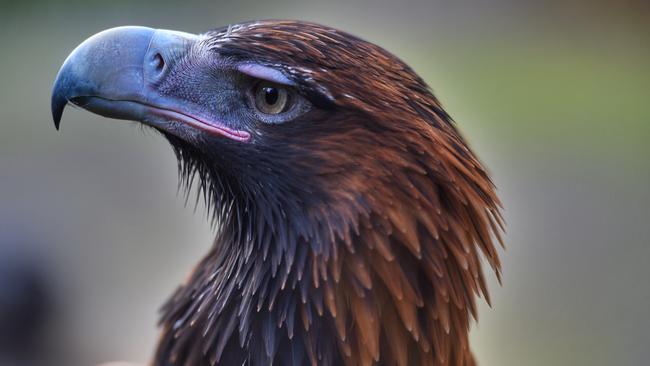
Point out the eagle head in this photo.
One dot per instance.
(352, 216)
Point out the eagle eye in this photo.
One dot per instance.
(275, 103)
(271, 98)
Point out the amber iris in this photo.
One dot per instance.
(270, 98)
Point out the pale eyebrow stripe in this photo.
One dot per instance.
(264, 72)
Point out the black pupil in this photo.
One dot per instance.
(271, 95)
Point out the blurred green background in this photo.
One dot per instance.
(553, 95)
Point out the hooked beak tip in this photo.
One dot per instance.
(58, 105)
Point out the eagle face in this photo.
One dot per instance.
(262, 103)
(258, 100)
(346, 199)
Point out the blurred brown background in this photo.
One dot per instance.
(553, 95)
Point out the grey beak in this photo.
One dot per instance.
(111, 72)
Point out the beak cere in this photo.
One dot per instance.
(115, 72)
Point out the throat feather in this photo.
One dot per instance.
(375, 299)
(385, 276)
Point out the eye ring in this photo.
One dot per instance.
(271, 98)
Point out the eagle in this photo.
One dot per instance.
(352, 219)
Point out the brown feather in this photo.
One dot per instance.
(409, 211)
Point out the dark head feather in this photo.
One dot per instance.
(352, 235)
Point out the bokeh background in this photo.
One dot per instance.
(553, 95)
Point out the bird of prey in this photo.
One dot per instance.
(352, 217)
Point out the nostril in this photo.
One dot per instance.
(158, 62)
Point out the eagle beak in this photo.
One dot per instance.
(113, 72)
